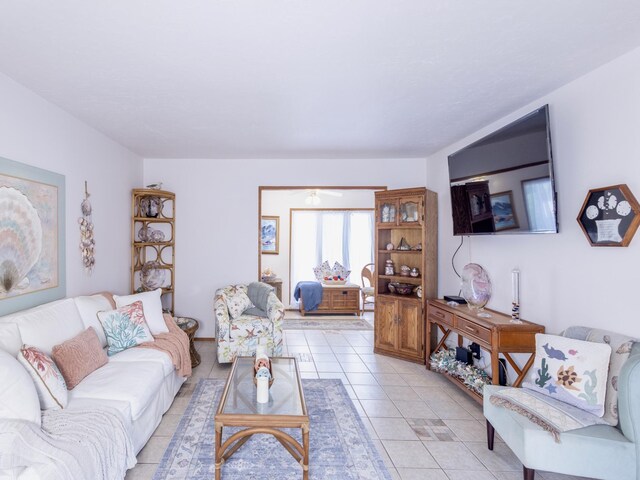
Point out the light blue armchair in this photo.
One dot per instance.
(598, 451)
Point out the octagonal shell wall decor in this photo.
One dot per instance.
(610, 216)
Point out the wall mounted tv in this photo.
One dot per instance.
(503, 183)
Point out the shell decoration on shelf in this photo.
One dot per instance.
(152, 276)
(20, 239)
(87, 241)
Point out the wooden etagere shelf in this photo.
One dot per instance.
(410, 214)
(153, 254)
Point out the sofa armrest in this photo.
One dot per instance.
(223, 321)
(275, 312)
(628, 405)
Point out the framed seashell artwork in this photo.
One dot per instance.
(32, 236)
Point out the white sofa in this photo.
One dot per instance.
(140, 383)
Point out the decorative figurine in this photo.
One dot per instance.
(404, 245)
(389, 269)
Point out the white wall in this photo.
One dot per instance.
(279, 202)
(594, 126)
(38, 133)
(217, 213)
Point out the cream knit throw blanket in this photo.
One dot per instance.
(71, 445)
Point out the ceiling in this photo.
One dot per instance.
(306, 78)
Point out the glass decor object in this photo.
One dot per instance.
(152, 275)
(476, 288)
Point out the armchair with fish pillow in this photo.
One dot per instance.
(241, 335)
(609, 450)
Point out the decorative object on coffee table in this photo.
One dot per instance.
(190, 327)
(153, 243)
(610, 216)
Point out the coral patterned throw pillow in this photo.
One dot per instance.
(125, 327)
(50, 385)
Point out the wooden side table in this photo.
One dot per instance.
(190, 327)
(277, 284)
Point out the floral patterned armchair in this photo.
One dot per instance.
(241, 335)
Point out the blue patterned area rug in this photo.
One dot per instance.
(340, 446)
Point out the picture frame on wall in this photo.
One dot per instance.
(504, 215)
(270, 235)
(610, 216)
(32, 236)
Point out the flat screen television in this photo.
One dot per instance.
(504, 183)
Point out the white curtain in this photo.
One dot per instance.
(344, 236)
(538, 199)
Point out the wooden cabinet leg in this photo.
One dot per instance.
(495, 367)
(491, 433)
(528, 473)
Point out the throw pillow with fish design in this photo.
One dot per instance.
(572, 371)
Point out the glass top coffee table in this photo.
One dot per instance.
(286, 409)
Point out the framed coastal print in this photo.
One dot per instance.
(504, 216)
(32, 236)
(269, 234)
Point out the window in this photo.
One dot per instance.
(344, 236)
(538, 200)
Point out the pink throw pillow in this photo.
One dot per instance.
(78, 357)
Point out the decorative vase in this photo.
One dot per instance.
(415, 272)
(476, 288)
(389, 268)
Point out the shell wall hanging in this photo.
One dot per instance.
(87, 242)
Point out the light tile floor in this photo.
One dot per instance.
(423, 426)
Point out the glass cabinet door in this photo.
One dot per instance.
(387, 212)
(410, 211)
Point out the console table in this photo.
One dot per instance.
(497, 335)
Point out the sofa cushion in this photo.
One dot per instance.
(152, 305)
(145, 355)
(48, 325)
(79, 356)
(10, 339)
(258, 293)
(136, 383)
(49, 382)
(572, 371)
(621, 346)
(18, 396)
(125, 327)
(88, 307)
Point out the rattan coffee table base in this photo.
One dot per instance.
(299, 452)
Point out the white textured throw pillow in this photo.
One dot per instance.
(89, 306)
(571, 371)
(18, 396)
(49, 383)
(152, 306)
(10, 339)
(237, 302)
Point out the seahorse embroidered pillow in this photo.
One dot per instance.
(571, 371)
(125, 327)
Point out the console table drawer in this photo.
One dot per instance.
(440, 316)
(473, 329)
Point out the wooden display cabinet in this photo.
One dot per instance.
(410, 214)
(153, 255)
